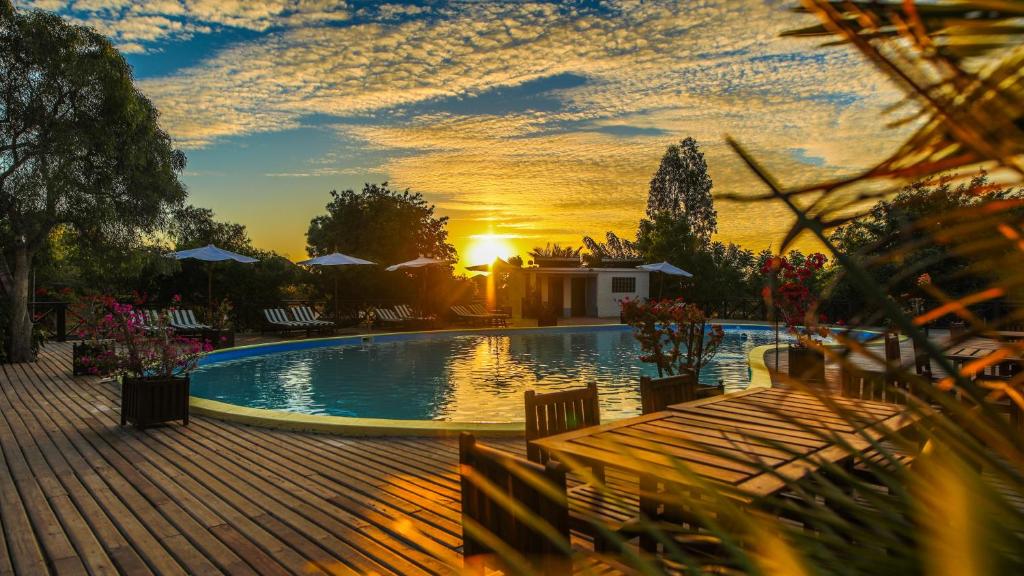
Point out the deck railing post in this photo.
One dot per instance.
(62, 322)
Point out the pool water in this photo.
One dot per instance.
(460, 377)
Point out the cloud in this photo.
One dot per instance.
(141, 25)
(651, 73)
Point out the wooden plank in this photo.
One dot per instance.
(139, 452)
(23, 462)
(352, 553)
(162, 513)
(141, 461)
(26, 555)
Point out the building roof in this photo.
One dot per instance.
(584, 271)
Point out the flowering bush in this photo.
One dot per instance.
(126, 341)
(220, 315)
(792, 292)
(672, 334)
(149, 347)
(92, 313)
(97, 354)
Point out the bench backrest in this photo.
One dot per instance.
(657, 394)
(506, 499)
(557, 412)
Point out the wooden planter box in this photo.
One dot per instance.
(807, 364)
(147, 401)
(88, 350)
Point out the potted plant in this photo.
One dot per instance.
(792, 292)
(223, 330)
(673, 335)
(155, 366)
(95, 352)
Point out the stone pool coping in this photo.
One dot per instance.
(353, 426)
(761, 375)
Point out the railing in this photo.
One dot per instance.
(54, 317)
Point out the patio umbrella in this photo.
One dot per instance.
(209, 253)
(421, 262)
(664, 268)
(336, 259)
(497, 264)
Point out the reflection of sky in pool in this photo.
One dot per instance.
(464, 377)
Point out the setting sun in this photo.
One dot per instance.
(484, 248)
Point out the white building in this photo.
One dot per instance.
(581, 291)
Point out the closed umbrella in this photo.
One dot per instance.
(336, 259)
(210, 253)
(664, 268)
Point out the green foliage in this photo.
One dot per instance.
(555, 251)
(194, 227)
(249, 287)
(80, 144)
(80, 147)
(720, 271)
(682, 188)
(887, 239)
(380, 224)
(384, 226)
(613, 248)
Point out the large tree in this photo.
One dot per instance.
(385, 226)
(888, 240)
(682, 187)
(80, 146)
(380, 224)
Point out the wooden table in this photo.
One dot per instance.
(1010, 353)
(741, 442)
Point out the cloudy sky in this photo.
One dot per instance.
(532, 122)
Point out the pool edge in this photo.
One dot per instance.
(760, 377)
(761, 374)
(347, 426)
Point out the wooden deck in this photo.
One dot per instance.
(79, 494)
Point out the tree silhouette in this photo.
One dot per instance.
(682, 186)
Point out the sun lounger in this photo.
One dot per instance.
(278, 318)
(150, 320)
(406, 311)
(390, 317)
(497, 317)
(185, 321)
(462, 313)
(306, 314)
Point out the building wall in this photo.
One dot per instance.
(608, 302)
(600, 300)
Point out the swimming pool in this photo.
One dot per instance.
(456, 376)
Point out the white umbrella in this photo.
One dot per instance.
(421, 262)
(664, 268)
(336, 259)
(210, 253)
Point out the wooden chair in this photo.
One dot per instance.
(556, 412)
(503, 499)
(873, 385)
(657, 394)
